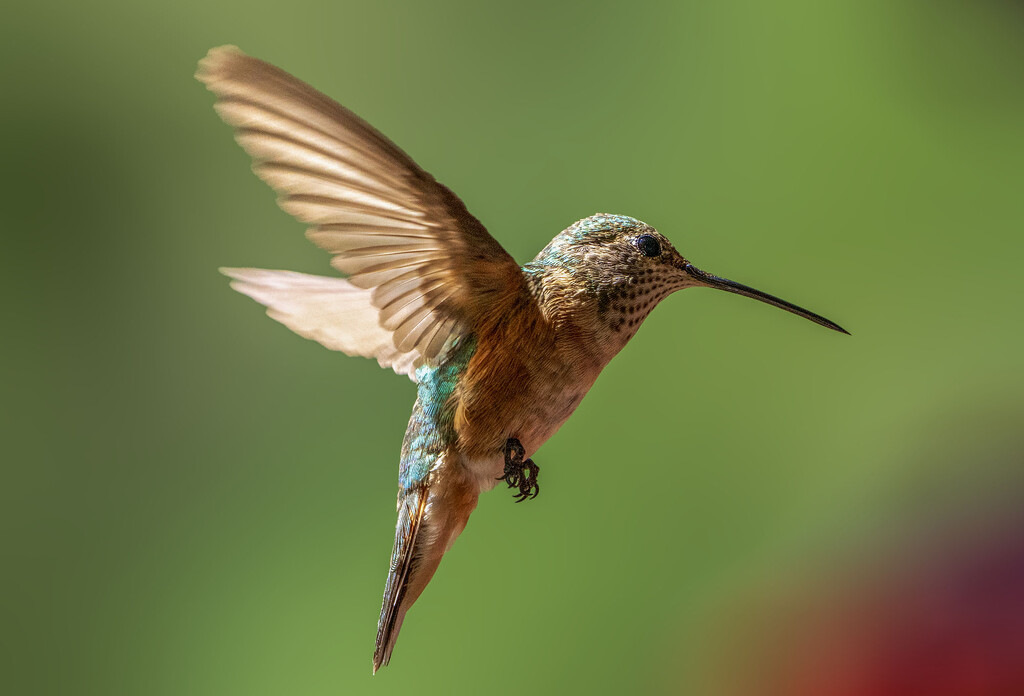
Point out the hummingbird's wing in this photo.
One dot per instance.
(331, 311)
(430, 268)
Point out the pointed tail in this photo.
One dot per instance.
(406, 559)
(430, 517)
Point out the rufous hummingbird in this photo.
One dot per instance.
(502, 354)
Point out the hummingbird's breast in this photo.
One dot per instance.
(526, 377)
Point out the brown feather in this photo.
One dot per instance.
(370, 205)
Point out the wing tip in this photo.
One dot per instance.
(241, 278)
(261, 285)
(216, 62)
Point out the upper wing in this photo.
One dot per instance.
(431, 268)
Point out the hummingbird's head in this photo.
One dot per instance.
(618, 269)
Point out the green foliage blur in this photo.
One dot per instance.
(197, 501)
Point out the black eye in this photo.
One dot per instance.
(648, 245)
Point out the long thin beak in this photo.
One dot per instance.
(713, 281)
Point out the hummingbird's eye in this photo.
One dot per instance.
(648, 245)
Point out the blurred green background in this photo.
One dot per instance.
(197, 501)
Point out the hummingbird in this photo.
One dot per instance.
(501, 354)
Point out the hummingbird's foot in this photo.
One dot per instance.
(520, 473)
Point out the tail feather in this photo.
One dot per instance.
(405, 560)
(430, 517)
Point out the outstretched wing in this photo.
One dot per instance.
(331, 311)
(431, 268)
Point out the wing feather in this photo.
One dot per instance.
(429, 267)
(330, 311)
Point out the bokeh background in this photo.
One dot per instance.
(196, 501)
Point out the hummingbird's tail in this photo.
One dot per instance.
(405, 562)
(430, 517)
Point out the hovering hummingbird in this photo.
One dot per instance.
(502, 354)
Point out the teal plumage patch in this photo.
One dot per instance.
(431, 426)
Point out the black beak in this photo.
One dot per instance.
(713, 281)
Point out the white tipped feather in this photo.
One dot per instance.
(331, 311)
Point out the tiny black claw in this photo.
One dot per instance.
(519, 472)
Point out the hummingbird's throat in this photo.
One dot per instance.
(622, 308)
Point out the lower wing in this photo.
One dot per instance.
(331, 311)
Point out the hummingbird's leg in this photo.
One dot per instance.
(520, 473)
